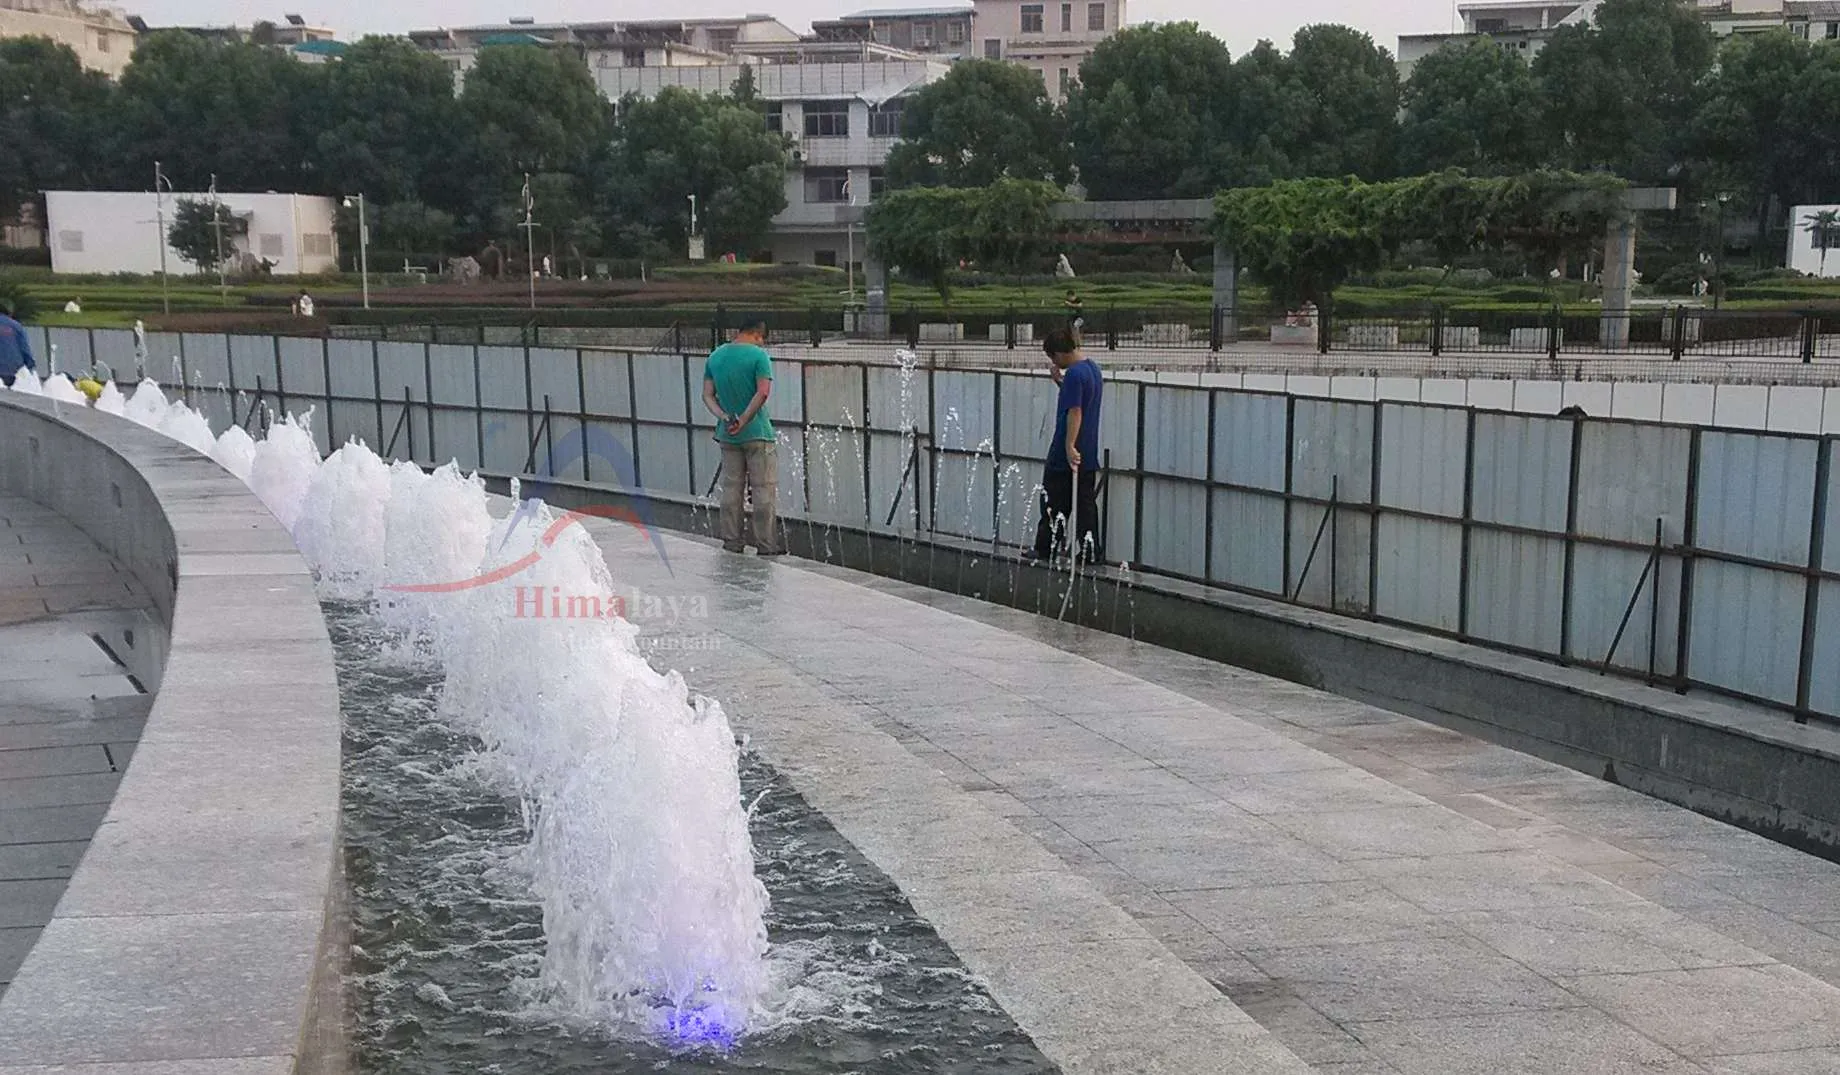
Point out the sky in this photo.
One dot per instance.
(1240, 23)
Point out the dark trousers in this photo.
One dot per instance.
(1057, 501)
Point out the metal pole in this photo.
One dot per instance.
(217, 226)
(364, 252)
(530, 239)
(159, 211)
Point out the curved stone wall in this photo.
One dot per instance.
(202, 930)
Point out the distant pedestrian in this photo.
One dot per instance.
(737, 381)
(1074, 461)
(15, 347)
(1076, 313)
(303, 306)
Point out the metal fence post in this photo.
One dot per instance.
(913, 326)
(1688, 547)
(1811, 606)
(1111, 328)
(1679, 343)
(1811, 334)
(1216, 319)
(817, 333)
(1437, 331)
(715, 327)
(1323, 330)
(1009, 328)
(1553, 328)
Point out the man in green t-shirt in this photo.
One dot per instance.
(736, 383)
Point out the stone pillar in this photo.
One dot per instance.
(874, 318)
(1618, 280)
(1226, 288)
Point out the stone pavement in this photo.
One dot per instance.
(1380, 894)
(70, 715)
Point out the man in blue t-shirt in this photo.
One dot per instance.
(737, 380)
(1074, 450)
(15, 347)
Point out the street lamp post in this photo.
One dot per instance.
(849, 227)
(217, 227)
(364, 247)
(530, 238)
(1718, 270)
(161, 186)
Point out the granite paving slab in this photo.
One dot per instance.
(1380, 894)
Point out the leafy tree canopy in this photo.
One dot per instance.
(681, 143)
(52, 120)
(984, 121)
(927, 231)
(194, 232)
(388, 125)
(1470, 106)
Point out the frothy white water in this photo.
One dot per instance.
(640, 853)
(25, 381)
(111, 401)
(285, 463)
(235, 451)
(339, 528)
(147, 405)
(435, 531)
(58, 387)
(188, 427)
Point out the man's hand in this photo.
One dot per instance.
(733, 424)
(1056, 373)
(1073, 456)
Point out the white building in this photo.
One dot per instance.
(1805, 244)
(102, 37)
(631, 43)
(841, 104)
(119, 232)
(1526, 25)
(1051, 37)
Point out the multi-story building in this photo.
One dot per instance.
(1050, 37)
(102, 37)
(1526, 26)
(932, 31)
(841, 103)
(640, 43)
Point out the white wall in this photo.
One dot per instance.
(118, 232)
(1803, 257)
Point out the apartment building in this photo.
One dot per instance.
(102, 37)
(1050, 37)
(1526, 27)
(633, 43)
(840, 102)
(933, 31)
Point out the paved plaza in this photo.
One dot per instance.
(69, 713)
(1379, 894)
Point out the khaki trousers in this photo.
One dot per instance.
(751, 469)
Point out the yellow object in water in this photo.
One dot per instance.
(90, 387)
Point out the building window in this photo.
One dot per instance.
(1031, 19)
(776, 117)
(632, 58)
(882, 35)
(824, 258)
(271, 244)
(1066, 18)
(827, 186)
(102, 42)
(1095, 17)
(827, 119)
(316, 246)
(923, 35)
(1491, 26)
(885, 119)
(993, 48)
(877, 183)
(1833, 31)
(1066, 82)
(70, 242)
(955, 33)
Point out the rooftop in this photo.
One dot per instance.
(905, 13)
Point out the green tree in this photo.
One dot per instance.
(681, 143)
(1620, 95)
(389, 126)
(194, 232)
(412, 228)
(985, 120)
(1470, 106)
(53, 114)
(1352, 89)
(203, 107)
(926, 231)
(528, 110)
(1824, 226)
(1151, 113)
(1770, 123)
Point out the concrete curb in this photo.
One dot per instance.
(204, 928)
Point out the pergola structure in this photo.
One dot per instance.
(1191, 220)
